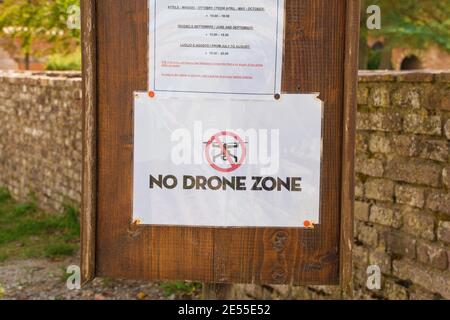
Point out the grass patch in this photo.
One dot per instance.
(68, 62)
(4, 195)
(180, 288)
(27, 232)
(59, 250)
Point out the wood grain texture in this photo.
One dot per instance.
(348, 154)
(315, 60)
(89, 177)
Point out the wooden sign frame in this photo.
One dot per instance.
(321, 48)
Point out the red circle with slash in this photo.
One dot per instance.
(220, 138)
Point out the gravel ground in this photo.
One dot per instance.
(42, 279)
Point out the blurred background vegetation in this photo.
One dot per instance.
(36, 33)
(414, 34)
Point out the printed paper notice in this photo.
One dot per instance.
(215, 47)
(227, 162)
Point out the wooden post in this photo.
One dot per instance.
(348, 184)
(89, 192)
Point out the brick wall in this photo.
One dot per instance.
(6, 61)
(40, 137)
(402, 216)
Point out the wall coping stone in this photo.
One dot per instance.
(404, 76)
(40, 78)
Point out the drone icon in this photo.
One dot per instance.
(224, 150)
(229, 145)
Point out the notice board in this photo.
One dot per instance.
(319, 61)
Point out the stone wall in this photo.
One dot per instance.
(402, 205)
(402, 208)
(40, 137)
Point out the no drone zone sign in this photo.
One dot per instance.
(232, 161)
(218, 140)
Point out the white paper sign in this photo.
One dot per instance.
(205, 162)
(232, 47)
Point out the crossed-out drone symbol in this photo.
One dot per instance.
(228, 151)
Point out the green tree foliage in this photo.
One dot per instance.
(411, 23)
(24, 22)
(55, 15)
